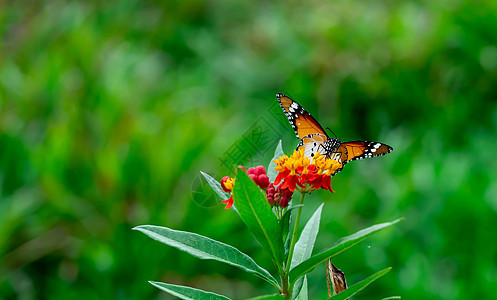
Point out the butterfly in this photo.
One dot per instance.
(313, 138)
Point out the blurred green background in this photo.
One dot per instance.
(108, 111)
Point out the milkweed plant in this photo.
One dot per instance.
(265, 203)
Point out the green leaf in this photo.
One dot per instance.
(304, 246)
(206, 248)
(285, 223)
(287, 235)
(341, 245)
(303, 290)
(359, 286)
(392, 297)
(268, 297)
(271, 172)
(286, 229)
(216, 186)
(257, 214)
(185, 292)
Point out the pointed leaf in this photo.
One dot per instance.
(287, 235)
(188, 293)
(305, 244)
(271, 172)
(206, 248)
(268, 297)
(257, 214)
(359, 286)
(286, 220)
(341, 245)
(302, 295)
(285, 224)
(216, 186)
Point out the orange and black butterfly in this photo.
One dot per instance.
(313, 138)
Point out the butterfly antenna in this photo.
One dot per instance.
(332, 132)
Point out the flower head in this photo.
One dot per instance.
(227, 184)
(290, 168)
(298, 171)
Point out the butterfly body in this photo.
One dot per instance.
(314, 139)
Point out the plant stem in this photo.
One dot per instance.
(284, 281)
(294, 234)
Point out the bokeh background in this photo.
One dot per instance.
(108, 111)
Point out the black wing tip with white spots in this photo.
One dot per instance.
(293, 110)
(371, 149)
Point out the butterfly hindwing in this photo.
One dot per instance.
(302, 122)
(317, 142)
(363, 149)
(313, 143)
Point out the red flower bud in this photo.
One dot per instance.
(263, 181)
(259, 170)
(270, 200)
(223, 182)
(270, 190)
(283, 202)
(251, 171)
(270, 196)
(253, 177)
(242, 167)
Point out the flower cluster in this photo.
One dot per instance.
(275, 194)
(257, 174)
(294, 172)
(278, 196)
(298, 171)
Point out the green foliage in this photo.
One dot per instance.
(261, 220)
(268, 297)
(206, 248)
(305, 244)
(341, 245)
(303, 249)
(108, 110)
(187, 293)
(303, 292)
(257, 214)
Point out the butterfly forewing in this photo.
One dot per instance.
(302, 122)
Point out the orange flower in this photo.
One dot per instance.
(298, 170)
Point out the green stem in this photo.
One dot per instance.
(294, 234)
